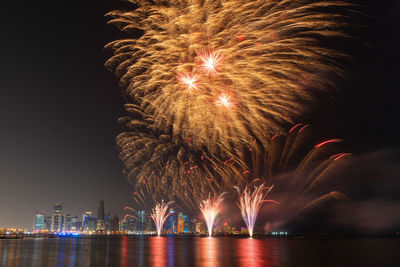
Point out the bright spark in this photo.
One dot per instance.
(224, 100)
(189, 80)
(210, 60)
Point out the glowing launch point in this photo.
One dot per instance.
(210, 209)
(159, 214)
(250, 203)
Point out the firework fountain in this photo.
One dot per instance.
(159, 215)
(210, 209)
(250, 203)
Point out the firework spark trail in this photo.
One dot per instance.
(250, 204)
(159, 214)
(210, 208)
(268, 54)
(219, 73)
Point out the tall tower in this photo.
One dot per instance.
(57, 221)
(140, 222)
(100, 217)
(180, 222)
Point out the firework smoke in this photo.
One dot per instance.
(159, 215)
(250, 204)
(210, 208)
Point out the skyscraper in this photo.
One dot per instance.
(171, 225)
(107, 221)
(84, 219)
(198, 227)
(39, 223)
(57, 222)
(100, 217)
(185, 224)
(74, 223)
(68, 222)
(141, 222)
(48, 224)
(131, 224)
(89, 223)
(180, 222)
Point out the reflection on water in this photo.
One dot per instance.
(158, 247)
(249, 253)
(189, 251)
(208, 254)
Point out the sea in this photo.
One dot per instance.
(124, 251)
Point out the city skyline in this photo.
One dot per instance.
(60, 221)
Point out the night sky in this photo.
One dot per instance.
(59, 105)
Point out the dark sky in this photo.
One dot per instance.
(59, 106)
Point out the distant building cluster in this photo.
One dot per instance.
(61, 222)
(142, 223)
(176, 223)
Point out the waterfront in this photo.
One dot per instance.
(127, 251)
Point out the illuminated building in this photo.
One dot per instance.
(89, 223)
(141, 222)
(123, 225)
(74, 223)
(47, 223)
(180, 223)
(39, 223)
(84, 220)
(57, 222)
(244, 230)
(198, 228)
(68, 223)
(131, 225)
(186, 224)
(107, 222)
(100, 217)
(171, 224)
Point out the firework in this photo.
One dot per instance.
(250, 203)
(210, 208)
(159, 214)
(224, 100)
(206, 78)
(210, 61)
(268, 54)
(189, 80)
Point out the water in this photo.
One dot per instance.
(189, 251)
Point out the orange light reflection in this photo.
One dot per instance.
(158, 248)
(207, 249)
(250, 253)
